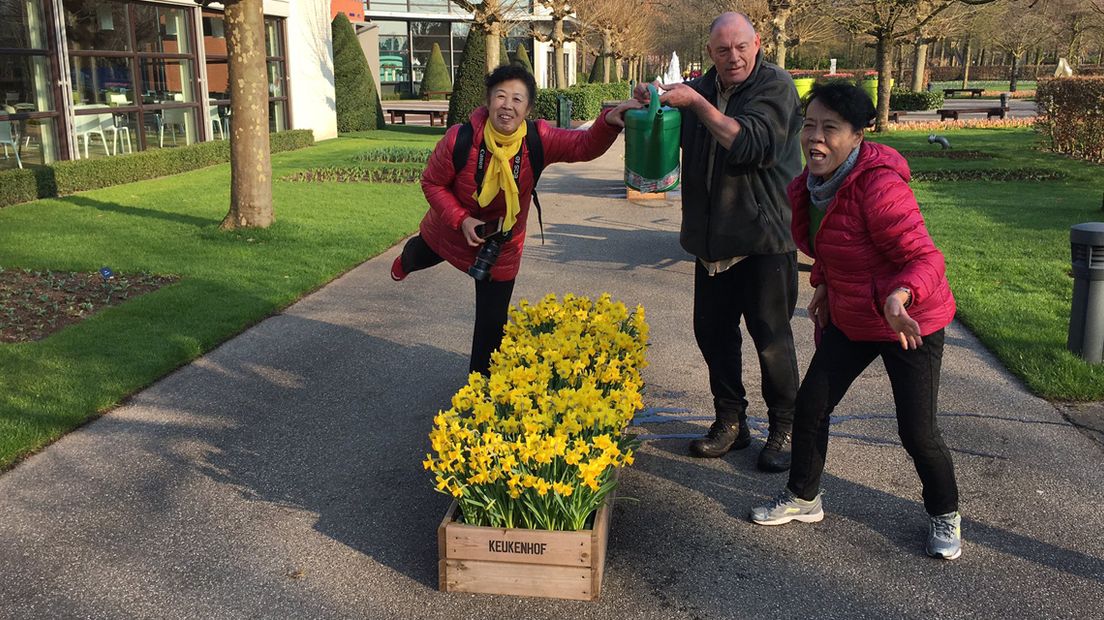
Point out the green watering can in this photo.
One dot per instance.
(652, 147)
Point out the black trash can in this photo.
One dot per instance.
(1086, 330)
(563, 111)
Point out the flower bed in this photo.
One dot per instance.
(537, 445)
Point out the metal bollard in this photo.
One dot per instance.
(563, 111)
(1086, 330)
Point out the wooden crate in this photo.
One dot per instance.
(523, 562)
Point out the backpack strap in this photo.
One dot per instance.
(462, 147)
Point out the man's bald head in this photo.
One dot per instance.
(730, 18)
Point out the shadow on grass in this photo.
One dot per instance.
(111, 207)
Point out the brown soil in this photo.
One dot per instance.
(35, 304)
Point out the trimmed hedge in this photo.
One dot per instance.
(909, 101)
(436, 77)
(586, 99)
(67, 177)
(1071, 116)
(521, 58)
(468, 91)
(355, 97)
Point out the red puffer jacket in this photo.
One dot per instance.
(871, 241)
(450, 195)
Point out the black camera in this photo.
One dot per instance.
(488, 255)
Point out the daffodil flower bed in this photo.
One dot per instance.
(537, 444)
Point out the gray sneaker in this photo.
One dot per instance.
(945, 536)
(788, 507)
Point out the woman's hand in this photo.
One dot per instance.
(616, 116)
(908, 330)
(818, 307)
(467, 227)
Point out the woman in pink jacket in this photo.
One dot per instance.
(881, 291)
(478, 210)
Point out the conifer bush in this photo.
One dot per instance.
(468, 90)
(436, 77)
(355, 97)
(522, 58)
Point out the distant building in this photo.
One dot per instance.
(403, 33)
(97, 78)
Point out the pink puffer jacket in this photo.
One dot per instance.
(871, 241)
(450, 195)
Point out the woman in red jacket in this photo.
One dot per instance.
(881, 291)
(466, 218)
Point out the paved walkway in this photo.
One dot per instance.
(279, 476)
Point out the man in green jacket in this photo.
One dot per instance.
(740, 126)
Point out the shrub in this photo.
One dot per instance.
(436, 77)
(586, 99)
(596, 70)
(907, 100)
(522, 58)
(397, 154)
(468, 90)
(358, 174)
(355, 97)
(67, 177)
(546, 104)
(1071, 116)
(994, 174)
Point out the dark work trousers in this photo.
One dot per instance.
(914, 376)
(492, 303)
(762, 290)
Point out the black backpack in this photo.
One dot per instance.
(536, 159)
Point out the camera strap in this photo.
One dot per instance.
(534, 146)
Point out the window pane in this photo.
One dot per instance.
(105, 134)
(277, 116)
(96, 25)
(94, 79)
(387, 5)
(429, 6)
(22, 24)
(214, 34)
(394, 52)
(170, 128)
(273, 44)
(165, 80)
(425, 34)
(161, 29)
(35, 141)
(275, 78)
(25, 83)
(218, 79)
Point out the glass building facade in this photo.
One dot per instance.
(99, 78)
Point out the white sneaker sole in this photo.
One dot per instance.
(953, 556)
(812, 518)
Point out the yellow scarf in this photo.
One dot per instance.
(499, 174)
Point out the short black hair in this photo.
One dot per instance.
(847, 100)
(505, 73)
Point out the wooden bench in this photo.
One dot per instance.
(435, 93)
(434, 115)
(895, 115)
(989, 112)
(974, 92)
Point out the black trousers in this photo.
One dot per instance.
(761, 290)
(492, 303)
(914, 376)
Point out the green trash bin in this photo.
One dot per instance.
(563, 111)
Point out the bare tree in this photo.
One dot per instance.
(250, 152)
(559, 11)
(493, 17)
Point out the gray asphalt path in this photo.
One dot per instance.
(279, 476)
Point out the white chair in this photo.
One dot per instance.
(7, 136)
(111, 124)
(174, 117)
(88, 125)
(216, 122)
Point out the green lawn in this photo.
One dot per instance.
(1008, 253)
(229, 280)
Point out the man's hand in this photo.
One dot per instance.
(641, 92)
(818, 307)
(908, 330)
(616, 116)
(680, 96)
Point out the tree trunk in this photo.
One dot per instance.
(942, 52)
(779, 35)
(250, 155)
(883, 59)
(607, 50)
(1012, 82)
(616, 77)
(966, 63)
(494, 41)
(919, 64)
(557, 53)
